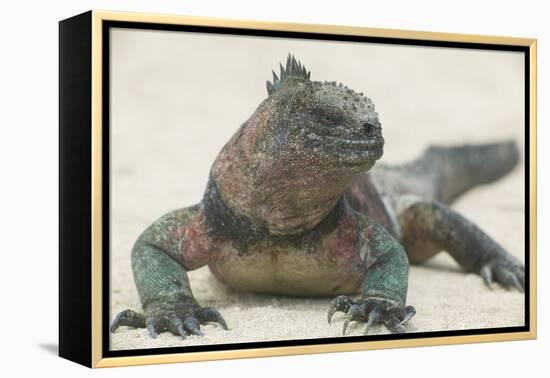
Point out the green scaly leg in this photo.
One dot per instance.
(163, 285)
(384, 289)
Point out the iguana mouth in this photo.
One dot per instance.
(360, 157)
(347, 151)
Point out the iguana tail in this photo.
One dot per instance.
(459, 168)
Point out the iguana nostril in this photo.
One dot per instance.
(369, 127)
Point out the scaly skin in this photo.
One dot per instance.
(290, 209)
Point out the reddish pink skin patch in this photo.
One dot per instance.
(198, 249)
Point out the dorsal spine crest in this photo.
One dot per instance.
(293, 69)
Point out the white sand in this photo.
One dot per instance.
(176, 102)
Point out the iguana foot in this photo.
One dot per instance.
(179, 320)
(372, 311)
(506, 270)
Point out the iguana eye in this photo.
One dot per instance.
(326, 119)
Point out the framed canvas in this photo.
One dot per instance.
(235, 189)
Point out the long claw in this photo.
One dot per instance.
(346, 323)
(374, 317)
(410, 311)
(518, 285)
(222, 322)
(210, 314)
(176, 327)
(354, 312)
(394, 325)
(331, 312)
(487, 275)
(117, 322)
(151, 328)
(192, 325)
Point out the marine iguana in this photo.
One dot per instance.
(293, 207)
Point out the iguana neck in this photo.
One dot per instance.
(268, 196)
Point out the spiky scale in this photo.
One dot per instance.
(293, 69)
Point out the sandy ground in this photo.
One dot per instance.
(176, 101)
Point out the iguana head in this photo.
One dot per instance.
(290, 162)
(325, 122)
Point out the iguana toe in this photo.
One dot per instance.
(128, 318)
(176, 327)
(150, 324)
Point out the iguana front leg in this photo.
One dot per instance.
(160, 258)
(384, 288)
